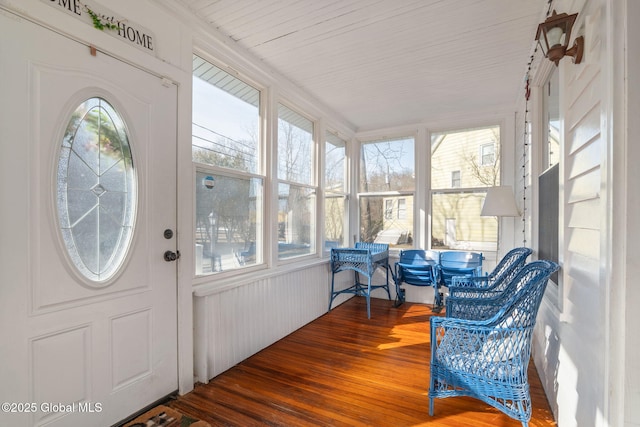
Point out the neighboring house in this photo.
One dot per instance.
(397, 221)
(463, 165)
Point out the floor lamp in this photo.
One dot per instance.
(499, 202)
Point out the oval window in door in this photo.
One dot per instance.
(96, 190)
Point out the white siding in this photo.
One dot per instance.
(581, 381)
(571, 346)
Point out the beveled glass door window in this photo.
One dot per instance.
(96, 190)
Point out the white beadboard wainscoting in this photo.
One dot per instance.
(234, 323)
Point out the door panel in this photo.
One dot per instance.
(84, 353)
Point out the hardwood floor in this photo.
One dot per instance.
(345, 370)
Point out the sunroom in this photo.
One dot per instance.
(175, 175)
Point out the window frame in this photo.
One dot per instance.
(388, 209)
(261, 173)
(469, 190)
(550, 106)
(456, 179)
(342, 194)
(312, 186)
(362, 195)
(260, 233)
(261, 131)
(66, 219)
(483, 155)
(402, 208)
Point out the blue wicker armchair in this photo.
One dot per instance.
(495, 281)
(469, 290)
(488, 359)
(466, 302)
(417, 267)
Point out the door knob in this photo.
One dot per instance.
(171, 256)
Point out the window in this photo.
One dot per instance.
(487, 154)
(551, 105)
(548, 180)
(226, 117)
(228, 221)
(455, 179)
(455, 205)
(96, 190)
(548, 213)
(296, 188)
(387, 176)
(388, 209)
(229, 184)
(402, 208)
(335, 192)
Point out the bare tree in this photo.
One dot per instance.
(294, 165)
(381, 169)
(486, 174)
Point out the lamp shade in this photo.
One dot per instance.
(500, 201)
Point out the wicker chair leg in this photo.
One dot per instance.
(437, 299)
(387, 282)
(369, 298)
(521, 407)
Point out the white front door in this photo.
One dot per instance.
(450, 232)
(88, 317)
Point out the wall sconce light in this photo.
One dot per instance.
(556, 32)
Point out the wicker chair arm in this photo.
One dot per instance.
(469, 282)
(452, 322)
(482, 338)
(466, 294)
(476, 297)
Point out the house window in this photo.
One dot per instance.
(296, 184)
(487, 154)
(455, 210)
(388, 209)
(229, 181)
(335, 192)
(402, 208)
(386, 177)
(455, 179)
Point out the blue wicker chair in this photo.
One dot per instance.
(417, 267)
(479, 304)
(495, 281)
(488, 359)
(471, 289)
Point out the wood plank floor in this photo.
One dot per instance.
(345, 370)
